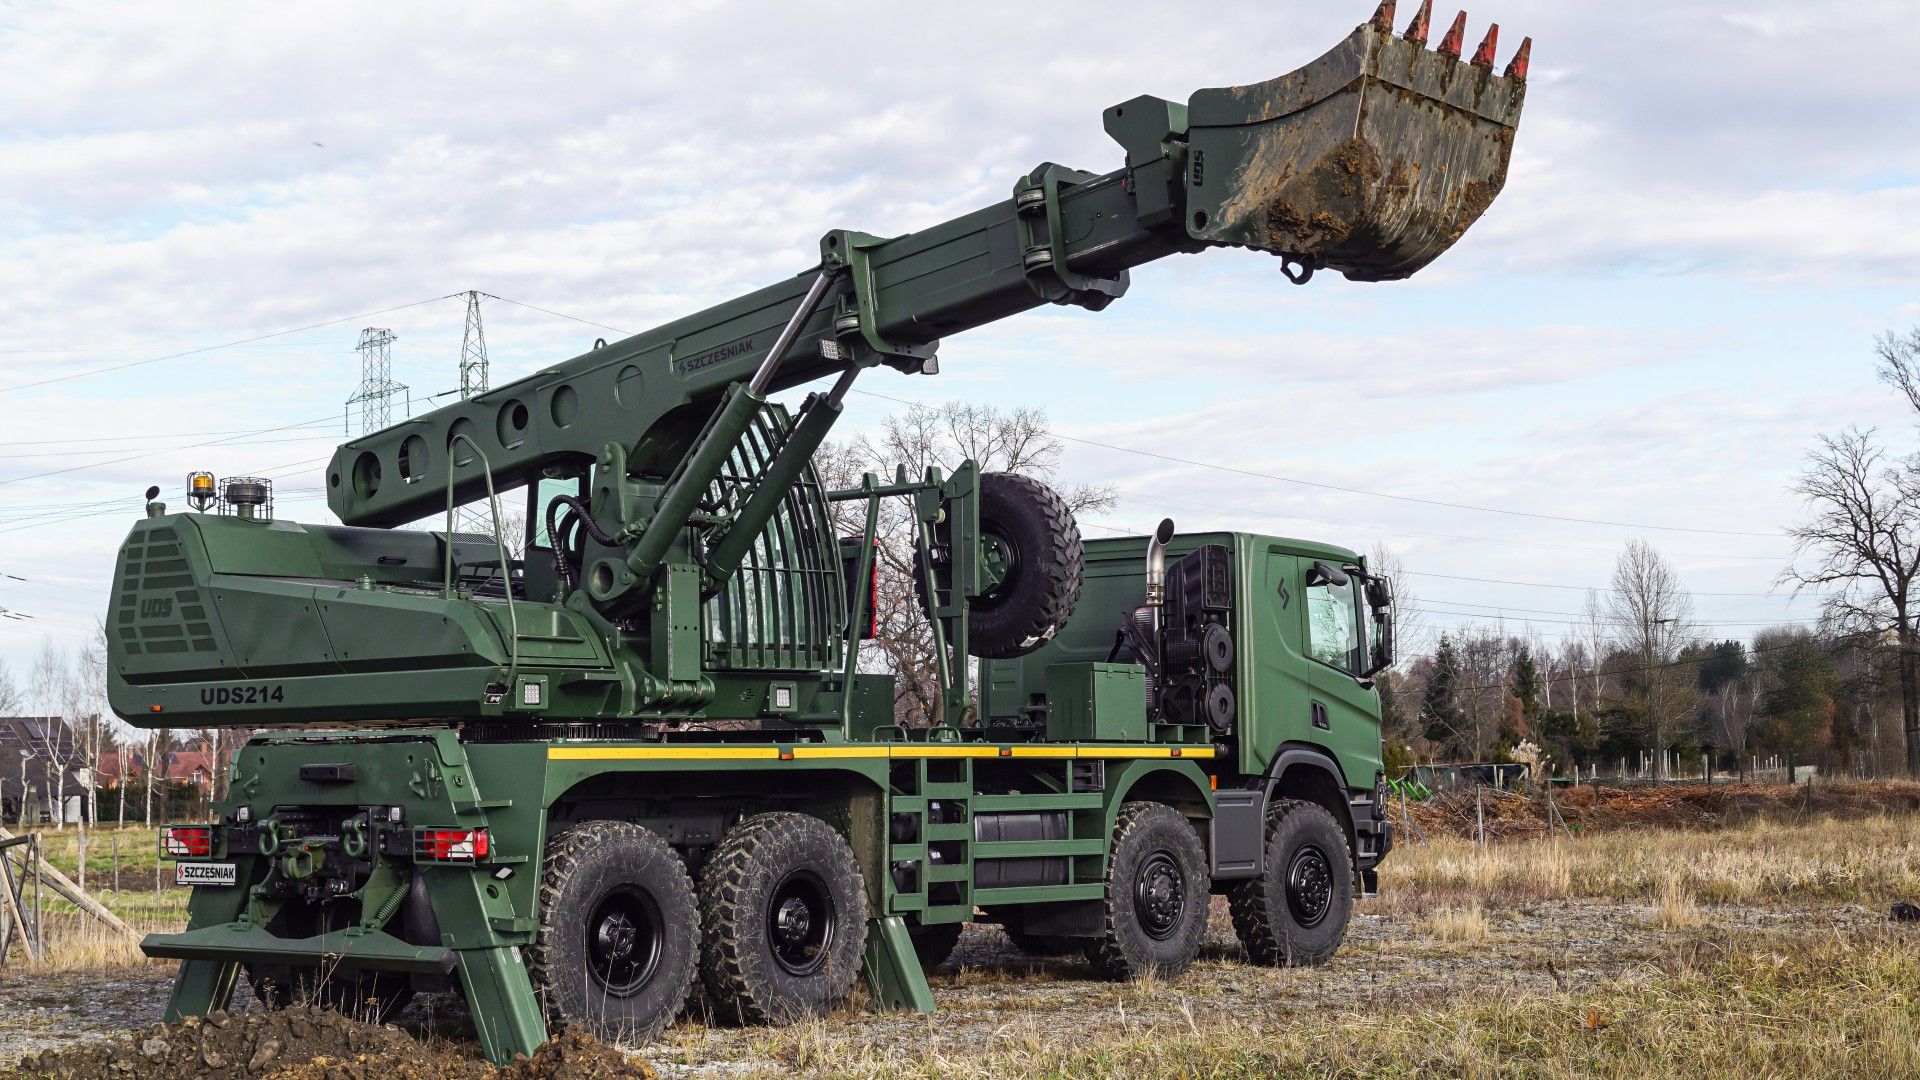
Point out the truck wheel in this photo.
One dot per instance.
(933, 944)
(1032, 549)
(783, 919)
(1157, 894)
(618, 925)
(1295, 914)
(1044, 944)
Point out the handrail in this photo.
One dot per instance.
(506, 565)
(857, 617)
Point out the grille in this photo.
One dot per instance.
(159, 609)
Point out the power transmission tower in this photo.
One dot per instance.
(473, 351)
(475, 517)
(377, 388)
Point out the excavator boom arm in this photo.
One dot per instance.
(1370, 161)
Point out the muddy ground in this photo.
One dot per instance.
(988, 990)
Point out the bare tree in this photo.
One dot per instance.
(1652, 614)
(1863, 542)
(1595, 634)
(10, 699)
(1731, 707)
(50, 680)
(944, 436)
(1409, 625)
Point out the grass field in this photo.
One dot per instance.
(1761, 949)
(1733, 948)
(75, 942)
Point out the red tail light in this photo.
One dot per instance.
(186, 841)
(451, 845)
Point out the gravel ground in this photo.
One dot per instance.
(988, 989)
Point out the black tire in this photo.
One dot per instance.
(934, 943)
(617, 948)
(1044, 944)
(783, 920)
(372, 996)
(1158, 890)
(1296, 913)
(1033, 531)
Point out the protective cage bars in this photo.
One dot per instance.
(785, 610)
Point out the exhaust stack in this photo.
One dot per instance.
(1157, 571)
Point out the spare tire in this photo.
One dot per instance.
(1028, 534)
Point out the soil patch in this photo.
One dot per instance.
(310, 1044)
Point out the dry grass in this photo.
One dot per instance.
(1465, 925)
(1871, 860)
(1752, 1006)
(74, 941)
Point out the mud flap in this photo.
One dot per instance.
(893, 971)
(506, 1012)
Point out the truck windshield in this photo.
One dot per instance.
(1333, 625)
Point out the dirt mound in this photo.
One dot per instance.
(1587, 808)
(309, 1044)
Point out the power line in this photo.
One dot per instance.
(557, 314)
(1362, 491)
(216, 348)
(1575, 588)
(135, 438)
(1609, 621)
(1544, 544)
(167, 450)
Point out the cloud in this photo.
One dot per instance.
(160, 189)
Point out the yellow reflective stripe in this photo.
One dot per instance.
(842, 751)
(919, 750)
(663, 753)
(1144, 751)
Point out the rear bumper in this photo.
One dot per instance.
(243, 942)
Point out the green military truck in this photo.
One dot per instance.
(649, 750)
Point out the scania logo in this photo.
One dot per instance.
(156, 607)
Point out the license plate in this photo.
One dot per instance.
(205, 873)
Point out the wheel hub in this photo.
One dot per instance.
(1159, 895)
(997, 561)
(623, 941)
(1309, 886)
(801, 923)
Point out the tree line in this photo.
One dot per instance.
(1638, 680)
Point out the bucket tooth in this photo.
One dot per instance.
(1517, 67)
(1383, 18)
(1369, 161)
(1456, 37)
(1483, 56)
(1422, 25)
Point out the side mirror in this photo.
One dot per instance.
(1379, 593)
(1322, 574)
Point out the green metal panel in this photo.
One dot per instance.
(1096, 703)
(1275, 680)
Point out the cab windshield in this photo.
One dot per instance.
(1333, 625)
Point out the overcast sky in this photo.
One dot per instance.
(1711, 214)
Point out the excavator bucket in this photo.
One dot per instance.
(1372, 160)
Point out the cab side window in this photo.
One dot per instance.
(1333, 629)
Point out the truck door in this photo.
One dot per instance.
(1344, 714)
